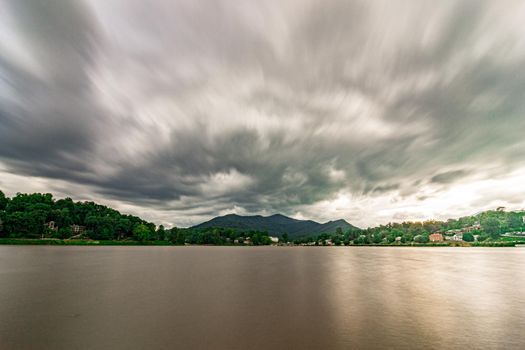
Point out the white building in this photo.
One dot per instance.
(458, 237)
(77, 229)
(274, 239)
(51, 225)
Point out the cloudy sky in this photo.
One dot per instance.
(178, 111)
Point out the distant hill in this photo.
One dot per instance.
(276, 225)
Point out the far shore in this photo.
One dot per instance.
(83, 242)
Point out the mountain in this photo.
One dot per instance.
(275, 225)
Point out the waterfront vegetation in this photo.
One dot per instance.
(89, 242)
(40, 219)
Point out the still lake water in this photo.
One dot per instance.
(261, 298)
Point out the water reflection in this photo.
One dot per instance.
(260, 298)
(429, 298)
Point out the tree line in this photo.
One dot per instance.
(487, 225)
(27, 216)
(31, 215)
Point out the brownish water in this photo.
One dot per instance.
(261, 298)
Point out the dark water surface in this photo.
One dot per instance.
(261, 298)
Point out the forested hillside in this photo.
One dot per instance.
(39, 215)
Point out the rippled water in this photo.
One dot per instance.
(261, 298)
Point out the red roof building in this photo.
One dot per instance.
(436, 237)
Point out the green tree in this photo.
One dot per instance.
(63, 232)
(391, 238)
(176, 236)
(407, 237)
(377, 238)
(362, 239)
(3, 201)
(468, 237)
(142, 233)
(285, 238)
(491, 226)
(2, 218)
(260, 238)
(353, 233)
(421, 239)
(161, 233)
(514, 221)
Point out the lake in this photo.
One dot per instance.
(261, 298)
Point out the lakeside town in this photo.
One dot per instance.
(40, 219)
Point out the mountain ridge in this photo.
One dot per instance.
(276, 224)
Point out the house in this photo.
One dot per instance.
(436, 237)
(460, 231)
(474, 227)
(274, 239)
(458, 237)
(77, 229)
(398, 239)
(51, 225)
(452, 232)
(512, 234)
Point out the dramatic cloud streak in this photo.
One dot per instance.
(367, 110)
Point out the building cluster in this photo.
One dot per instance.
(76, 229)
(454, 235)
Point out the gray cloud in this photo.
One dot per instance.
(195, 109)
(46, 130)
(448, 177)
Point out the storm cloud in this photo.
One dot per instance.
(180, 110)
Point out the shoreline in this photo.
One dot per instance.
(64, 242)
